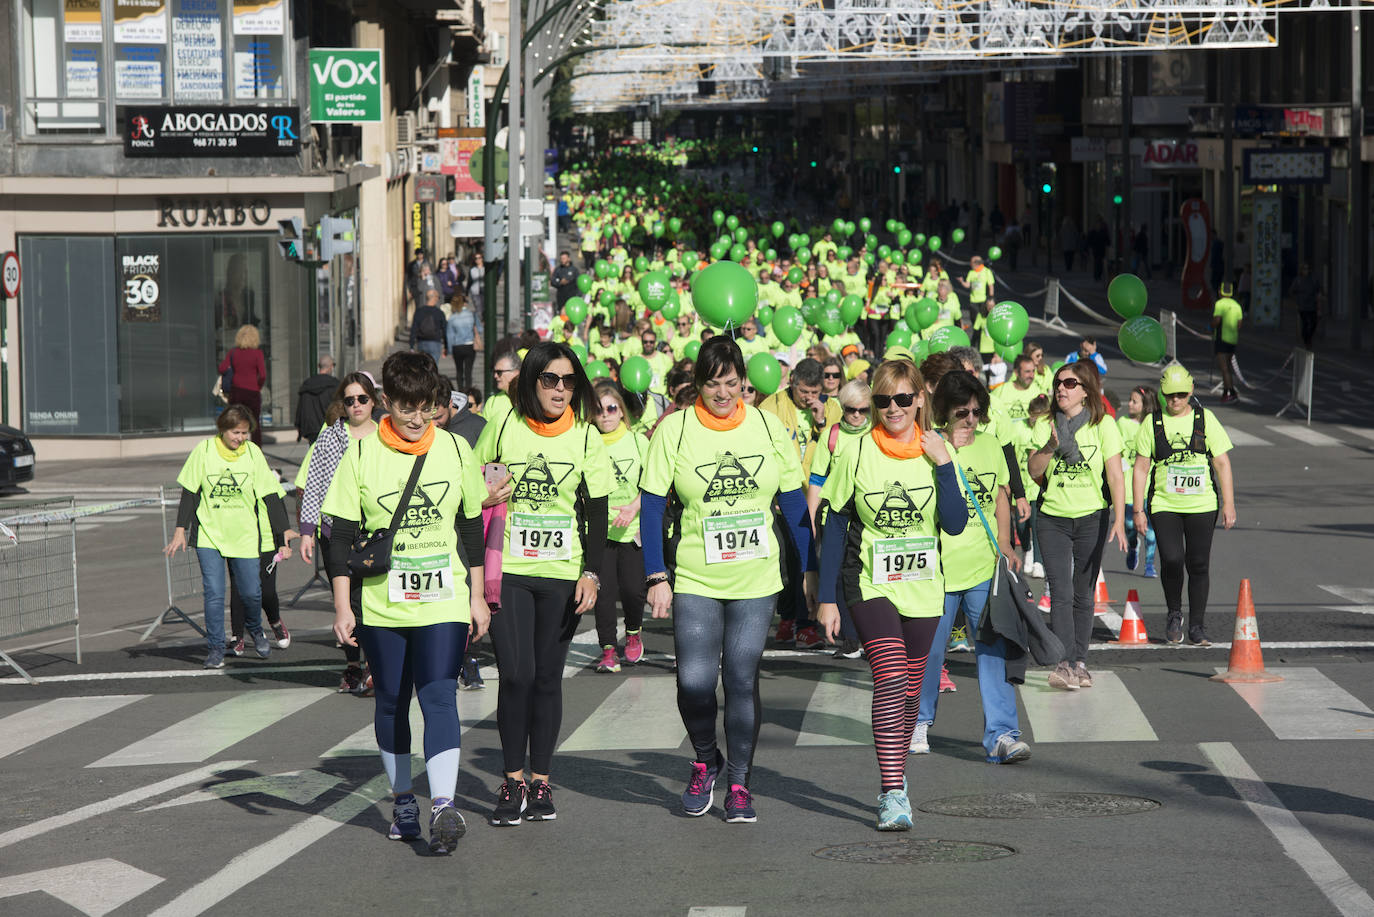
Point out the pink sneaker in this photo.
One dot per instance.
(634, 648)
(946, 683)
(610, 662)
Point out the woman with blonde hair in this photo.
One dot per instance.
(247, 371)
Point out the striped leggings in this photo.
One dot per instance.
(896, 648)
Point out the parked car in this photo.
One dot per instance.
(16, 457)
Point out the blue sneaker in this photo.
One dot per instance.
(958, 641)
(1009, 750)
(1150, 572)
(1132, 557)
(214, 659)
(446, 825)
(261, 644)
(700, 794)
(739, 806)
(405, 818)
(894, 811)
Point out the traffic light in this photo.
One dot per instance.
(755, 149)
(336, 237)
(1117, 199)
(896, 170)
(813, 163)
(495, 226)
(1048, 174)
(290, 242)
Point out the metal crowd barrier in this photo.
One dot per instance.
(183, 570)
(38, 572)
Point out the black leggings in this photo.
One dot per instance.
(530, 635)
(1185, 543)
(463, 357)
(622, 578)
(271, 605)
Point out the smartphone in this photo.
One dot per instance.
(495, 473)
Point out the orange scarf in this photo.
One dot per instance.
(895, 448)
(555, 427)
(386, 431)
(712, 422)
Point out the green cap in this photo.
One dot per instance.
(1175, 380)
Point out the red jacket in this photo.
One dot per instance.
(250, 369)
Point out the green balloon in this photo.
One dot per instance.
(719, 250)
(803, 255)
(674, 225)
(778, 229)
(849, 228)
(920, 350)
(869, 258)
(658, 230)
(576, 310)
(603, 268)
(770, 255)
(865, 224)
(641, 264)
(764, 316)
(654, 288)
(793, 241)
(900, 337)
(1142, 339)
(581, 352)
(765, 372)
(795, 274)
(717, 217)
(584, 282)
(597, 370)
(689, 259)
(1008, 323)
(1008, 353)
(890, 226)
(851, 307)
(1126, 294)
(725, 294)
(884, 251)
(606, 298)
(812, 310)
(919, 239)
(831, 321)
(636, 374)
(671, 309)
(837, 227)
(805, 240)
(904, 237)
(833, 296)
(732, 222)
(922, 314)
(843, 252)
(994, 253)
(948, 337)
(741, 234)
(957, 235)
(913, 256)
(870, 241)
(934, 243)
(692, 350)
(738, 252)
(788, 324)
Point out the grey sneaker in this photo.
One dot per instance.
(214, 659)
(1063, 676)
(1009, 750)
(1197, 636)
(1080, 671)
(1173, 628)
(920, 744)
(261, 644)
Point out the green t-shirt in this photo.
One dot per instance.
(822, 458)
(626, 456)
(892, 501)
(1075, 491)
(1023, 438)
(1011, 401)
(855, 284)
(758, 345)
(543, 531)
(230, 497)
(428, 580)
(495, 409)
(969, 557)
(726, 480)
(978, 282)
(1128, 429)
(1230, 313)
(1183, 483)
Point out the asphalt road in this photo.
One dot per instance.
(136, 783)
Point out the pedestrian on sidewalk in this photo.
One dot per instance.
(464, 337)
(1226, 318)
(247, 369)
(427, 328)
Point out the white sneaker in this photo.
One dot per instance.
(1009, 750)
(1037, 570)
(919, 744)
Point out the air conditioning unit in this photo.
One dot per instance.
(405, 128)
(496, 49)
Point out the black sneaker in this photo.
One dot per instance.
(701, 788)
(539, 806)
(261, 645)
(849, 649)
(1173, 629)
(1197, 636)
(510, 804)
(470, 676)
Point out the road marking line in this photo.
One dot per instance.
(1362, 597)
(473, 707)
(94, 888)
(840, 711)
(1106, 712)
(1305, 435)
(16, 835)
(641, 713)
(582, 652)
(211, 731)
(36, 724)
(1308, 705)
(1241, 438)
(253, 864)
(228, 671)
(1366, 432)
(1321, 867)
(717, 912)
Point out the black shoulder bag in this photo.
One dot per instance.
(371, 551)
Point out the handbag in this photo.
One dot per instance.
(370, 554)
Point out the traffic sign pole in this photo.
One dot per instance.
(9, 289)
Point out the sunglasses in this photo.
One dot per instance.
(962, 413)
(356, 399)
(834, 375)
(747, 389)
(856, 409)
(550, 381)
(608, 409)
(1172, 395)
(1069, 383)
(902, 399)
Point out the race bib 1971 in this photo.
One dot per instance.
(420, 579)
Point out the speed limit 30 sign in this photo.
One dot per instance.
(9, 274)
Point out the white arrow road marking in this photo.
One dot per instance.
(1362, 597)
(252, 865)
(94, 888)
(16, 835)
(298, 787)
(36, 724)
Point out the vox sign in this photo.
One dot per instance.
(345, 85)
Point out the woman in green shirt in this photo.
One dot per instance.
(1078, 451)
(225, 483)
(1140, 408)
(1181, 463)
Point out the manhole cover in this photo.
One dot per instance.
(1039, 805)
(915, 852)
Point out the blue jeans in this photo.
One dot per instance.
(721, 640)
(1132, 537)
(244, 570)
(998, 695)
(434, 348)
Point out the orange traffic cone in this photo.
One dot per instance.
(1101, 597)
(1132, 628)
(1246, 665)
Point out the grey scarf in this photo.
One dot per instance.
(1066, 428)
